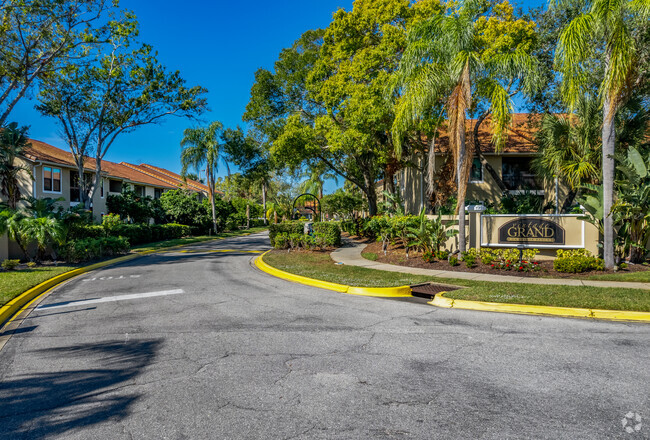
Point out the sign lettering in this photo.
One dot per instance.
(526, 230)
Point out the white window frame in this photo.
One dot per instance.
(60, 191)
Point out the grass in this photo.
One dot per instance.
(320, 266)
(641, 277)
(372, 256)
(15, 282)
(189, 240)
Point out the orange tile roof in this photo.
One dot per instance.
(37, 150)
(163, 173)
(521, 136)
(143, 174)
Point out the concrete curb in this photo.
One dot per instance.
(568, 312)
(13, 307)
(380, 292)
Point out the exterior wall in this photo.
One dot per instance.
(410, 181)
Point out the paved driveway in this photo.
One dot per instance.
(202, 345)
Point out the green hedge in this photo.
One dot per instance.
(76, 251)
(328, 234)
(288, 227)
(577, 261)
(135, 233)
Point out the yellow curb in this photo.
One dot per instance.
(189, 251)
(11, 309)
(382, 292)
(569, 312)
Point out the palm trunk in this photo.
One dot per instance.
(609, 138)
(264, 201)
(208, 176)
(461, 179)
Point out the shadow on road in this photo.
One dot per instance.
(39, 405)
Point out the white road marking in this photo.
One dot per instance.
(110, 299)
(121, 277)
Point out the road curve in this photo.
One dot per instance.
(200, 344)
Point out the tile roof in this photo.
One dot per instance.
(37, 150)
(143, 174)
(521, 136)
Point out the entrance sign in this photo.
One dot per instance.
(534, 231)
(530, 230)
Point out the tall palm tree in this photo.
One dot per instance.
(201, 148)
(443, 67)
(13, 141)
(603, 32)
(569, 147)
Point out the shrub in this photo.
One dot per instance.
(31, 264)
(428, 257)
(90, 248)
(469, 257)
(288, 227)
(453, 260)
(442, 255)
(330, 232)
(281, 241)
(110, 222)
(576, 261)
(80, 231)
(487, 256)
(10, 264)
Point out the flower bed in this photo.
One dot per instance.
(532, 268)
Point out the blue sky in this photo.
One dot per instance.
(217, 44)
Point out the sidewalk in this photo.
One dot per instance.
(351, 255)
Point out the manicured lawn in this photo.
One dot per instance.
(640, 277)
(370, 256)
(197, 239)
(320, 266)
(15, 282)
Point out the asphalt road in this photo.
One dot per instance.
(219, 350)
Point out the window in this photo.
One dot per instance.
(157, 192)
(476, 173)
(139, 190)
(52, 179)
(115, 186)
(101, 189)
(517, 174)
(74, 185)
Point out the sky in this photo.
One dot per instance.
(216, 44)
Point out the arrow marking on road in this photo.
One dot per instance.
(84, 302)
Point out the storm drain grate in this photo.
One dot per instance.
(430, 290)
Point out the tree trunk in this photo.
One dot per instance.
(462, 189)
(608, 141)
(248, 216)
(208, 177)
(372, 202)
(569, 200)
(477, 151)
(264, 201)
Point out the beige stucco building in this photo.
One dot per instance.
(513, 165)
(53, 173)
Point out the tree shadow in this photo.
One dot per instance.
(39, 405)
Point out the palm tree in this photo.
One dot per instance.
(443, 67)
(201, 148)
(569, 147)
(13, 141)
(45, 231)
(603, 32)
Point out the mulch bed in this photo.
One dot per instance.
(396, 255)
